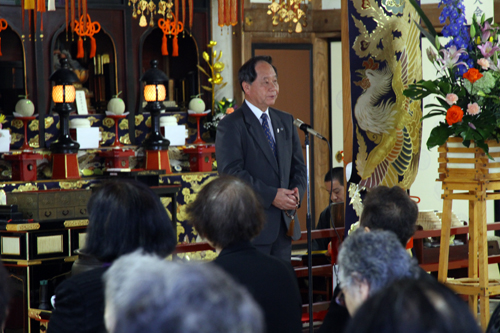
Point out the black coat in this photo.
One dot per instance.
(242, 150)
(79, 305)
(271, 281)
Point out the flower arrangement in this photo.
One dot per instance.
(222, 108)
(467, 89)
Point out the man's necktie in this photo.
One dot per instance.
(267, 131)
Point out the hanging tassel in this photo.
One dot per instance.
(80, 53)
(221, 13)
(72, 21)
(164, 49)
(22, 14)
(190, 16)
(175, 51)
(85, 14)
(1, 47)
(35, 16)
(66, 9)
(92, 47)
(227, 12)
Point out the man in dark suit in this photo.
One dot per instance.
(260, 145)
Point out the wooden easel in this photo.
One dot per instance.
(468, 174)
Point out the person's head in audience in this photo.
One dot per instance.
(390, 208)
(4, 296)
(126, 215)
(414, 306)
(334, 184)
(369, 261)
(147, 294)
(226, 211)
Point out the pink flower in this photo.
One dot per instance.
(473, 108)
(451, 99)
(484, 63)
(488, 49)
(450, 57)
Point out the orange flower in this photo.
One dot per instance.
(229, 110)
(472, 75)
(454, 114)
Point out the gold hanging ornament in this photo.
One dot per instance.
(142, 6)
(289, 12)
(151, 8)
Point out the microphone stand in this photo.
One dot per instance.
(309, 240)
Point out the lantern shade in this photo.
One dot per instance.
(154, 93)
(64, 75)
(154, 75)
(63, 94)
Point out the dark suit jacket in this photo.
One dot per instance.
(271, 281)
(242, 150)
(79, 306)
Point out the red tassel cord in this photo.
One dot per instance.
(221, 13)
(184, 12)
(72, 19)
(85, 14)
(191, 15)
(175, 51)
(234, 12)
(67, 21)
(22, 13)
(92, 47)
(164, 49)
(227, 12)
(176, 16)
(80, 52)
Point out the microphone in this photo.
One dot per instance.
(303, 126)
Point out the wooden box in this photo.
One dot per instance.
(51, 204)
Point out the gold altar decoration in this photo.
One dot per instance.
(216, 67)
(143, 9)
(289, 12)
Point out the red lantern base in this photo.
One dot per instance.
(24, 166)
(117, 158)
(157, 160)
(200, 158)
(65, 166)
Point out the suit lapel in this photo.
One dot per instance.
(255, 130)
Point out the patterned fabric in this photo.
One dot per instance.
(267, 131)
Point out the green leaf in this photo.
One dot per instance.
(439, 135)
(426, 20)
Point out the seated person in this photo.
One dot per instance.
(417, 306)
(384, 208)
(367, 262)
(334, 184)
(228, 214)
(390, 208)
(124, 215)
(146, 293)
